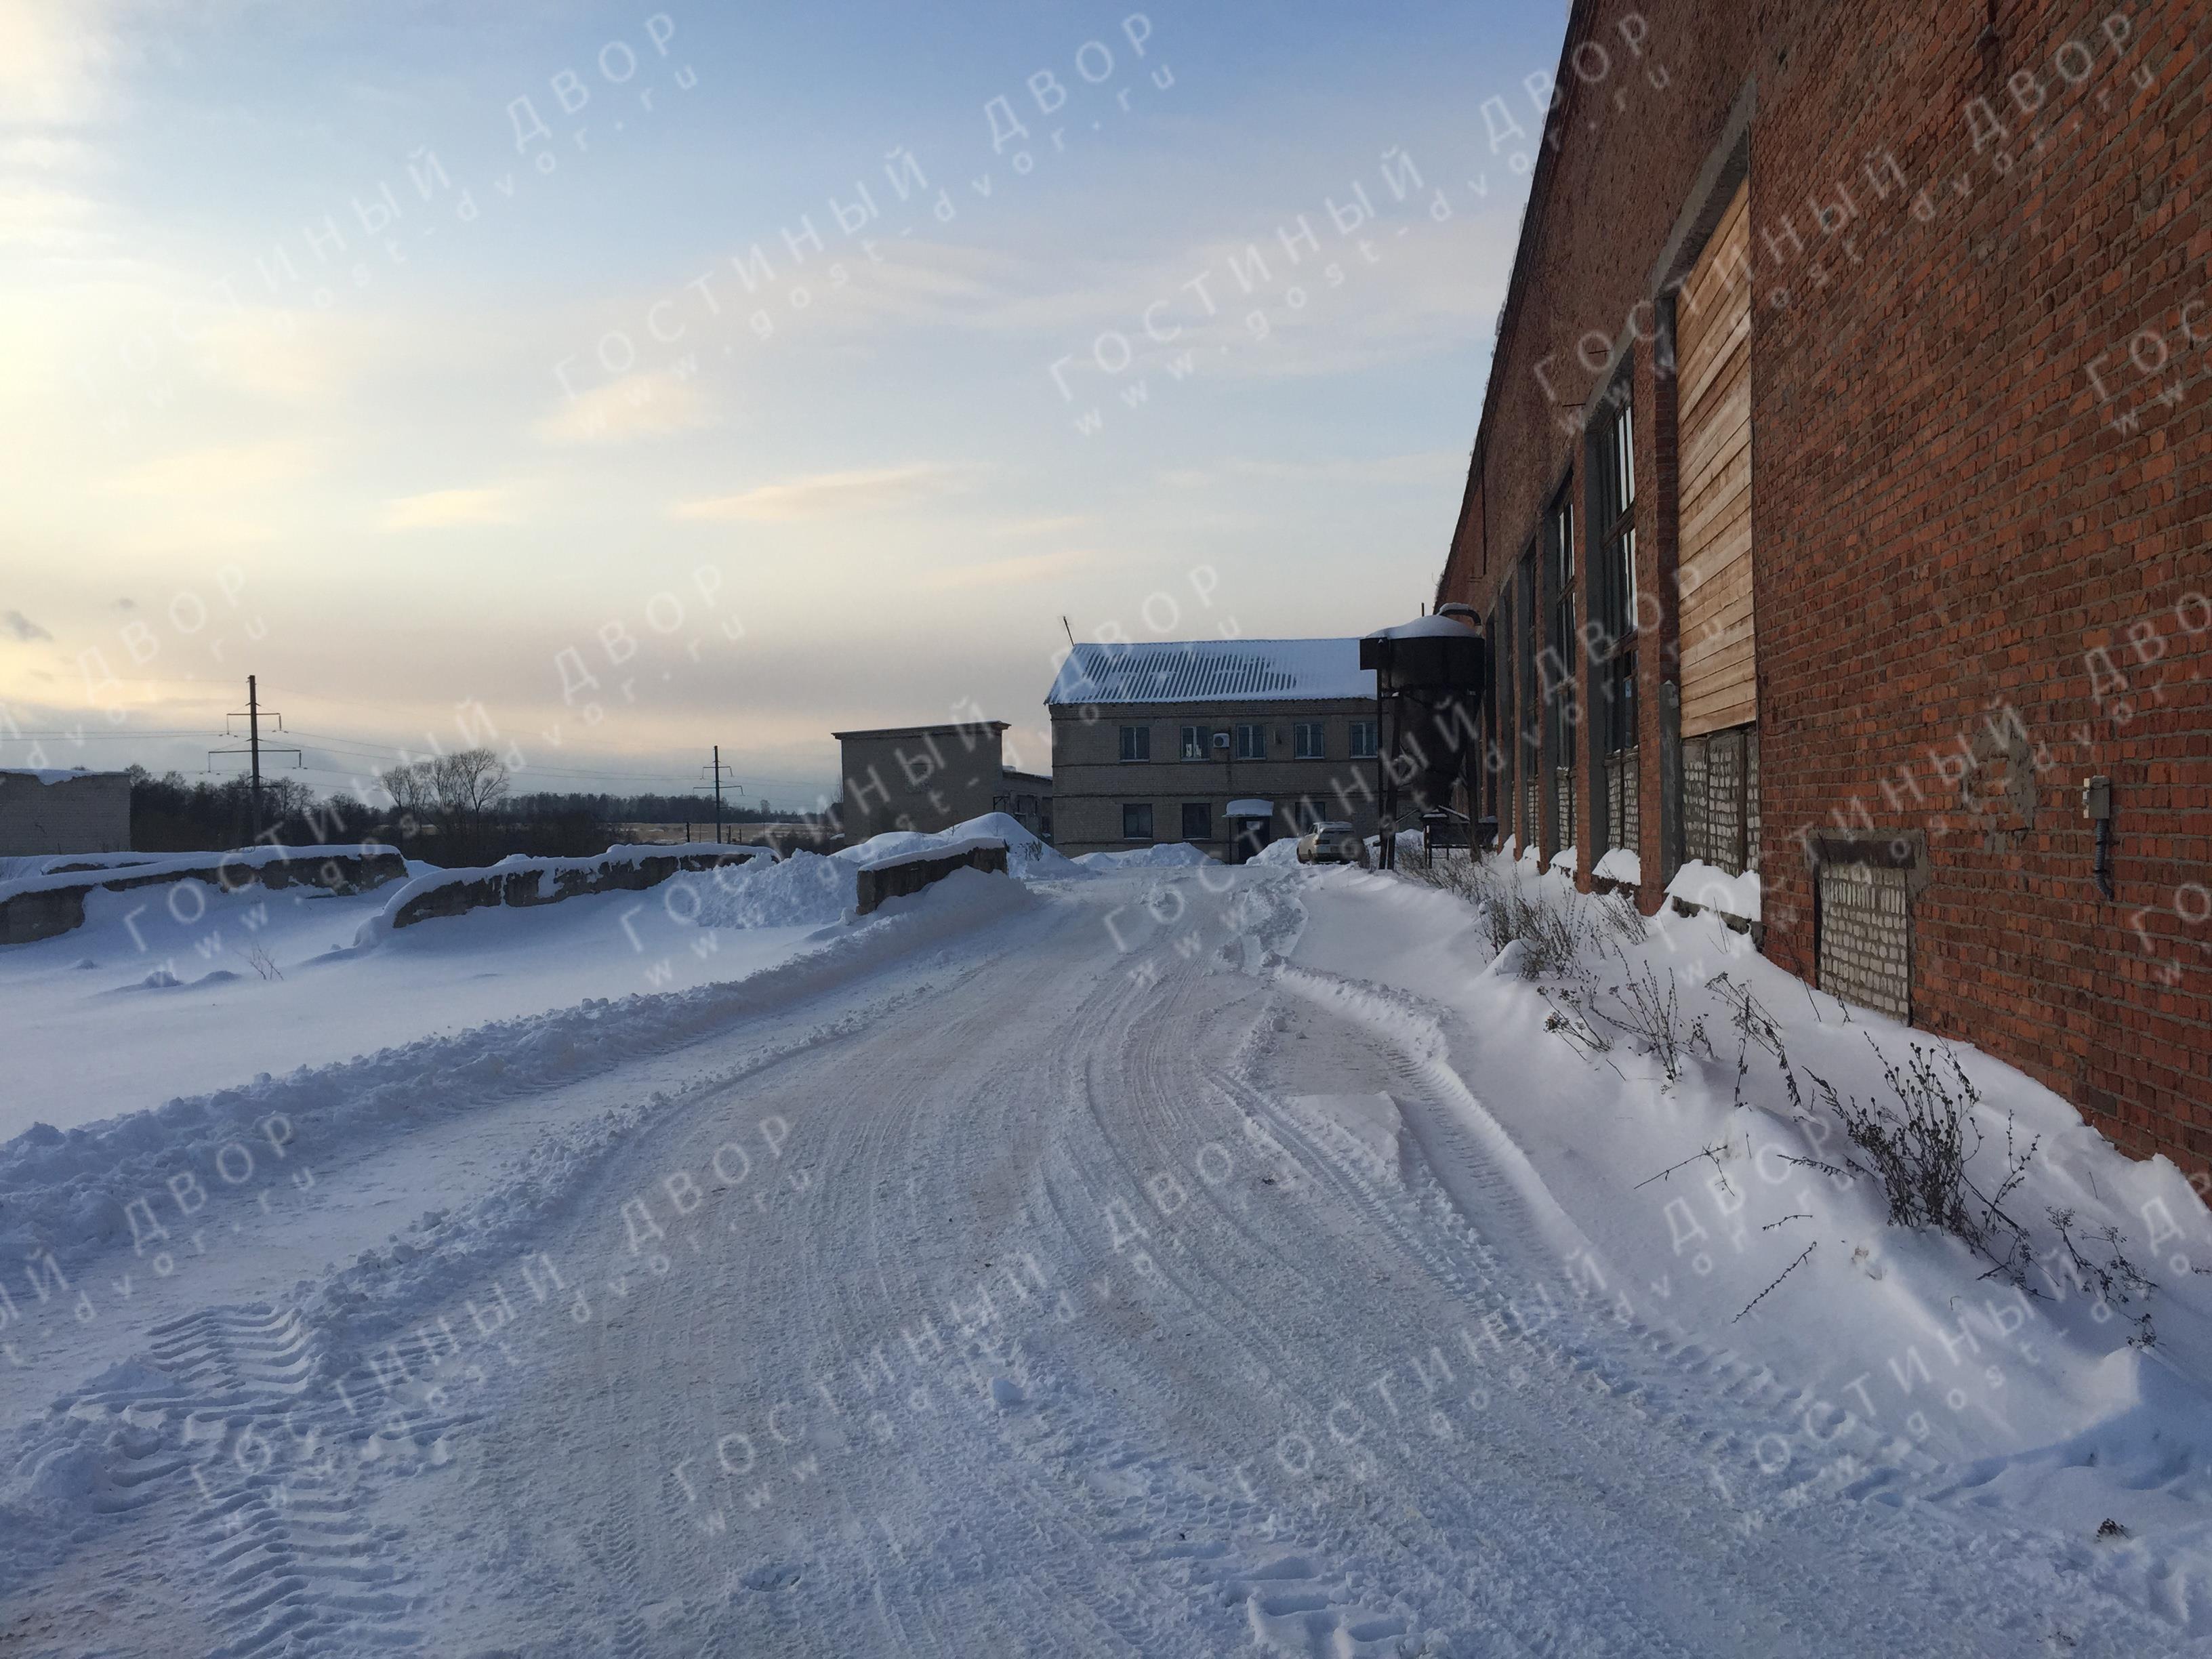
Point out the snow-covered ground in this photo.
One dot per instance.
(1171, 1261)
(182, 988)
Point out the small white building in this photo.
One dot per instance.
(57, 810)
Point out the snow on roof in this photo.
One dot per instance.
(1250, 809)
(941, 848)
(1186, 671)
(1195, 671)
(1425, 627)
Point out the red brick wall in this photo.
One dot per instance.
(1964, 484)
(1946, 519)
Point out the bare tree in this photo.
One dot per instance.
(409, 787)
(467, 785)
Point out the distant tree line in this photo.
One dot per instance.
(453, 810)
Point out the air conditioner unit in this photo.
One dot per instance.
(1221, 740)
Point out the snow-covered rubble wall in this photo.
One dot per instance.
(900, 873)
(38, 907)
(518, 880)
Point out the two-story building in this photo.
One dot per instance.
(1225, 743)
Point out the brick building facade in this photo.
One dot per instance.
(1840, 502)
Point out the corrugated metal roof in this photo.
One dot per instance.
(1200, 671)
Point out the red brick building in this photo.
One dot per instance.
(1840, 504)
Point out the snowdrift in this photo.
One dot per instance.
(1163, 855)
(1028, 858)
(1669, 1114)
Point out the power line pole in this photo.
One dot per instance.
(715, 771)
(254, 741)
(251, 715)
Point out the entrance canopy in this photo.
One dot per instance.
(1251, 808)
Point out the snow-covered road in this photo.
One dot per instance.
(1079, 1279)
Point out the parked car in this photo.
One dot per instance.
(1332, 843)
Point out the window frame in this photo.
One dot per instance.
(1613, 564)
(1258, 733)
(1195, 741)
(1205, 810)
(1562, 630)
(1353, 728)
(1138, 737)
(1144, 807)
(1319, 730)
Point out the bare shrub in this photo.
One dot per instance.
(1917, 1146)
(1468, 877)
(258, 959)
(1552, 932)
(1755, 1027)
(2117, 1281)
(1645, 1006)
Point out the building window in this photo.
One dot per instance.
(1197, 821)
(1136, 820)
(1305, 814)
(1251, 743)
(1363, 740)
(1136, 743)
(1306, 742)
(1613, 571)
(1527, 766)
(1194, 742)
(1562, 648)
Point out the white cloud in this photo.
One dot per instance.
(42, 219)
(656, 405)
(223, 470)
(53, 59)
(828, 494)
(440, 509)
(17, 626)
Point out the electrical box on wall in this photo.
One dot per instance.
(2097, 797)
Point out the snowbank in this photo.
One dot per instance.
(807, 889)
(1027, 856)
(942, 847)
(1567, 861)
(1277, 851)
(1163, 855)
(1708, 885)
(1727, 1207)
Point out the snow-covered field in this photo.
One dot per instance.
(1162, 1259)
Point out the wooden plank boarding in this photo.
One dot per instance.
(1719, 662)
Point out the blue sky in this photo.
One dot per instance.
(555, 405)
